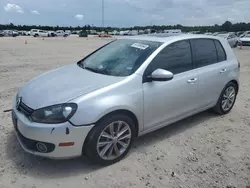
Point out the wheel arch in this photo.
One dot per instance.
(124, 112)
(236, 83)
(118, 111)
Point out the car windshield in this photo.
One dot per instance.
(119, 58)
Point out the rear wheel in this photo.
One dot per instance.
(110, 139)
(227, 99)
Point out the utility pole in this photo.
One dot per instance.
(103, 15)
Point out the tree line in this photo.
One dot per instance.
(227, 26)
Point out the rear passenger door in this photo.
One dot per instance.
(210, 61)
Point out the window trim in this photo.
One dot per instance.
(144, 76)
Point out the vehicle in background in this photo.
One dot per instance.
(231, 38)
(244, 34)
(172, 31)
(1, 34)
(33, 31)
(51, 33)
(61, 33)
(127, 32)
(140, 32)
(245, 41)
(83, 33)
(239, 33)
(20, 33)
(14, 33)
(10, 33)
(68, 32)
(115, 32)
(133, 32)
(39, 33)
(125, 89)
(23, 33)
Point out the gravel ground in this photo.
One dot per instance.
(205, 150)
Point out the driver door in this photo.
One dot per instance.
(167, 101)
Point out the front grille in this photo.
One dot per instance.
(23, 108)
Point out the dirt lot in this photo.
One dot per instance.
(205, 150)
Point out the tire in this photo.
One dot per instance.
(36, 35)
(219, 106)
(93, 152)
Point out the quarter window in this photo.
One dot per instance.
(220, 51)
(175, 58)
(204, 52)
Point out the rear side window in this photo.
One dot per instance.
(220, 51)
(176, 58)
(204, 52)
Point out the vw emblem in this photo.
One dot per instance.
(18, 102)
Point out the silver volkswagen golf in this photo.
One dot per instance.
(127, 88)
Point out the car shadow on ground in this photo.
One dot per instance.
(175, 128)
(38, 167)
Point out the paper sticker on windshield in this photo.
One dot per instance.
(140, 46)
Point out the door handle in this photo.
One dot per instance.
(223, 70)
(192, 80)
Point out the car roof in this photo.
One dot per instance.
(164, 39)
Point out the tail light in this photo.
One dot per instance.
(238, 64)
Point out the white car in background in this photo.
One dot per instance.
(231, 38)
(245, 41)
(39, 33)
(244, 34)
(61, 33)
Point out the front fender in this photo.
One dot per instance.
(99, 103)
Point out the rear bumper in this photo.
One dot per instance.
(29, 134)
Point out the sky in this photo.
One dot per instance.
(123, 13)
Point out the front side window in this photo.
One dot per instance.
(175, 58)
(204, 52)
(119, 58)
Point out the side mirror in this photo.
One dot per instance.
(160, 75)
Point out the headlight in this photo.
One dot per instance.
(54, 114)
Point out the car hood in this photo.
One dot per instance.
(62, 85)
(245, 39)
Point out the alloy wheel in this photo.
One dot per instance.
(114, 140)
(228, 98)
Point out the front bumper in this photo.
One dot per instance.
(30, 133)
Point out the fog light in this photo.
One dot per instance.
(41, 147)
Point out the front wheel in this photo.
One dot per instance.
(110, 139)
(227, 99)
